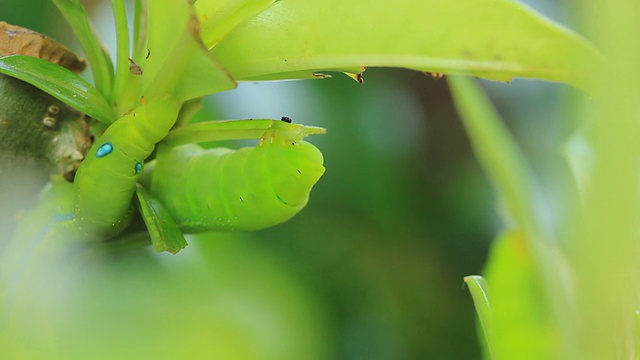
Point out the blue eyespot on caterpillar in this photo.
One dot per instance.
(138, 167)
(104, 150)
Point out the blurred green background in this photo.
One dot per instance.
(371, 269)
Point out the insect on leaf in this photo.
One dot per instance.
(59, 83)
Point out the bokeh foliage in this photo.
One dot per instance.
(371, 269)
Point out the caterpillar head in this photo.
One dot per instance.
(295, 168)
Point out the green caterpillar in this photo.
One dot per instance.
(106, 180)
(203, 190)
(247, 189)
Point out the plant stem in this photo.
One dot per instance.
(122, 59)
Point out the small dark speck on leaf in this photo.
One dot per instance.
(134, 68)
(435, 75)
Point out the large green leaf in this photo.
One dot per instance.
(101, 65)
(523, 325)
(494, 39)
(217, 18)
(59, 83)
(498, 154)
(177, 62)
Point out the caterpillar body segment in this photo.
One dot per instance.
(246, 189)
(106, 180)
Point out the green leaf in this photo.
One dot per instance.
(494, 39)
(529, 279)
(479, 289)
(59, 83)
(217, 18)
(202, 76)
(523, 321)
(207, 131)
(306, 74)
(498, 154)
(165, 235)
(637, 334)
(101, 65)
(122, 56)
(139, 29)
(580, 156)
(178, 62)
